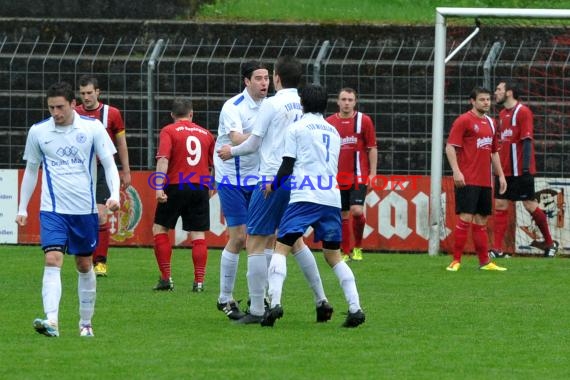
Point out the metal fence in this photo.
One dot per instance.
(393, 78)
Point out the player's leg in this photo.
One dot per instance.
(326, 230)
(306, 261)
(83, 231)
(53, 239)
(465, 206)
(357, 197)
(196, 219)
(234, 202)
(346, 231)
(264, 215)
(165, 218)
(531, 205)
(102, 250)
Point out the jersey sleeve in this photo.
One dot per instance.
(116, 123)
(33, 152)
(164, 144)
(291, 143)
(230, 120)
(102, 142)
(369, 132)
(525, 120)
(456, 133)
(264, 118)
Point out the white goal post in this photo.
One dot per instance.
(435, 212)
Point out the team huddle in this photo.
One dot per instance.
(273, 139)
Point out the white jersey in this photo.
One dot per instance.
(315, 146)
(67, 155)
(238, 115)
(275, 115)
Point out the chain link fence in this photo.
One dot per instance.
(393, 79)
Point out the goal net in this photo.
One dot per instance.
(537, 58)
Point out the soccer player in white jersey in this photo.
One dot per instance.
(66, 145)
(268, 137)
(234, 177)
(311, 153)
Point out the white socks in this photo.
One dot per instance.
(348, 284)
(86, 290)
(308, 265)
(228, 272)
(256, 282)
(51, 292)
(277, 274)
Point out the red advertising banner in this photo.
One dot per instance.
(397, 213)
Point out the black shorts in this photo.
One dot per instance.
(189, 201)
(519, 188)
(473, 200)
(102, 192)
(352, 196)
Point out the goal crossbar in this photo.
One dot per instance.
(441, 13)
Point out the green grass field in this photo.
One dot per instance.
(399, 12)
(422, 323)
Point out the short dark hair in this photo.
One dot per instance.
(477, 91)
(181, 107)
(86, 80)
(350, 90)
(314, 98)
(247, 68)
(61, 89)
(289, 70)
(512, 86)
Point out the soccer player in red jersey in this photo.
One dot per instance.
(111, 118)
(471, 149)
(356, 167)
(516, 128)
(183, 182)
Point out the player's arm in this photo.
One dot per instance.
(27, 188)
(161, 167)
(285, 171)
(113, 182)
(250, 145)
(498, 170)
(372, 164)
(238, 137)
(526, 153)
(451, 154)
(123, 151)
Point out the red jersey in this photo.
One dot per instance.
(515, 125)
(108, 115)
(189, 149)
(474, 139)
(357, 136)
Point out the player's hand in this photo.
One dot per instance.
(225, 152)
(126, 179)
(161, 196)
(112, 205)
(22, 220)
(459, 180)
(502, 185)
(266, 188)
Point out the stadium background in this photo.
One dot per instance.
(142, 65)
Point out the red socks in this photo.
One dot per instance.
(345, 245)
(199, 258)
(501, 224)
(480, 240)
(461, 233)
(540, 219)
(358, 223)
(100, 253)
(163, 254)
